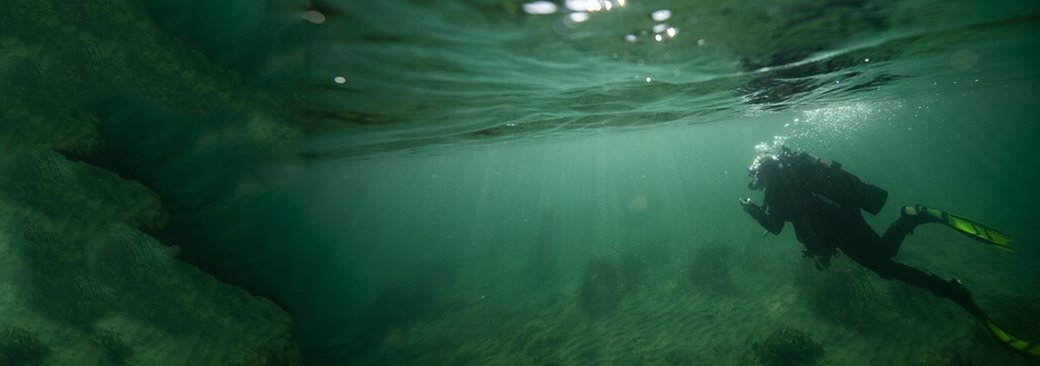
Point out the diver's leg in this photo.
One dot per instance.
(951, 289)
(894, 236)
(897, 232)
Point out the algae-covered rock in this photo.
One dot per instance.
(275, 352)
(75, 231)
(787, 347)
(116, 351)
(21, 347)
(78, 259)
(77, 262)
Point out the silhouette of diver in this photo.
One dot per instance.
(823, 203)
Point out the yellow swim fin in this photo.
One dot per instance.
(1028, 349)
(963, 297)
(968, 227)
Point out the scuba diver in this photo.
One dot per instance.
(823, 203)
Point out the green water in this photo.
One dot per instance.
(396, 182)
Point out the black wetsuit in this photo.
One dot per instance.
(824, 225)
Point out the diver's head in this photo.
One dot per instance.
(762, 170)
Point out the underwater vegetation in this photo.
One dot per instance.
(273, 352)
(601, 287)
(787, 347)
(844, 294)
(116, 351)
(21, 347)
(708, 268)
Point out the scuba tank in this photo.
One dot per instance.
(832, 184)
(805, 176)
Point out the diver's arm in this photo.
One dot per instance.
(769, 222)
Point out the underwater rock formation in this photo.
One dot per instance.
(83, 272)
(116, 351)
(787, 347)
(20, 347)
(78, 264)
(601, 287)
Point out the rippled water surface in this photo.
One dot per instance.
(476, 72)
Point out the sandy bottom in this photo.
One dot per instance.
(669, 317)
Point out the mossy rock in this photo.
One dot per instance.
(73, 299)
(21, 347)
(116, 351)
(787, 347)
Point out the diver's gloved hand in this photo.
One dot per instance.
(746, 204)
